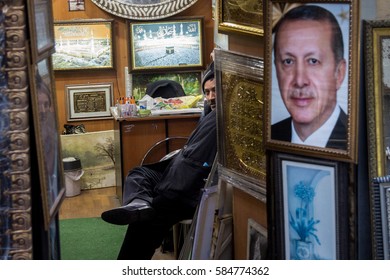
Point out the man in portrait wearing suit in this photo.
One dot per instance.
(310, 68)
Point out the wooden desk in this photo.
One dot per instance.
(134, 136)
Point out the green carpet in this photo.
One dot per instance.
(90, 239)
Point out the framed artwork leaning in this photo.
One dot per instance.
(311, 80)
(83, 45)
(240, 102)
(47, 139)
(166, 45)
(310, 208)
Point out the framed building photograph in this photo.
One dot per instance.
(256, 241)
(41, 28)
(89, 102)
(311, 208)
(240, 16)
(83, 44)
(175, 44)
(240, 100)
(47, 139)
(311, 62)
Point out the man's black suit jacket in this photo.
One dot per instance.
(337, 140)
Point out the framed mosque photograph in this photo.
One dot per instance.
(83, 45)
(312, 84)
(166, 45)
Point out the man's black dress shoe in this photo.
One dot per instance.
(136, 210)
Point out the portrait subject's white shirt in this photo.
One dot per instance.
(320, 137)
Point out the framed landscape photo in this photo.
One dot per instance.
(41, 28)
(89, 102)
(83, 45)
(47, 139)
(166, 45)
(243, 17)
(311, 208)
(312, 84)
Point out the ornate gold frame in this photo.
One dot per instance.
(349, 14)
(240, 102)
(15, 187)
(376, 32)
(235, 17)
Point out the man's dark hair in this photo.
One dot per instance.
(316, 13)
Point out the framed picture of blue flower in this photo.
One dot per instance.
(311, 208)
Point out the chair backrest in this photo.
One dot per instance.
(164, 148)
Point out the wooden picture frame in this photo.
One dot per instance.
(300, 98)
(144, 10)
(257, 241)
(89, 102)
(47, 139)
(310, 208)
(41, 28)
(84, 45)
(242, 17)
(166, 45)
(240, 100)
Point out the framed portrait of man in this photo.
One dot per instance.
(311, 76)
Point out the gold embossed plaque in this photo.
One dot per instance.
(240, 115)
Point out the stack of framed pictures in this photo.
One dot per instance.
(45, 120)
(311, 146)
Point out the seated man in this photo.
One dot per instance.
(159, 195)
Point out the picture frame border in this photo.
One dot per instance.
(373, 31)
(131, 50)
(352, 75)
(50, 210)
(262, 231)
(39, 53)
(75, 88)
(81, 22)
(276, 216)
(224, 26)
